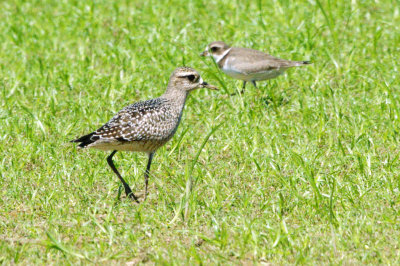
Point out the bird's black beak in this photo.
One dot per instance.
(205, 53)
(208, 86)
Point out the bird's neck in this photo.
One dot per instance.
(221, 60)
(178, 97)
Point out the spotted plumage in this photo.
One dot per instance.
(145, 126)
(136, 126)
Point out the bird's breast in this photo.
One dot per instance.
(229, 69)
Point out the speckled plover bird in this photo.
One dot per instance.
(248, 64)
(146, 126)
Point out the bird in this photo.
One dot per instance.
(246, 64)
(145, 126)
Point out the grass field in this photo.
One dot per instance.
(304, 170)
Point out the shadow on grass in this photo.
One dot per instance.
(274, 97)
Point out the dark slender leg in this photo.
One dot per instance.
(146, 174)
(128, 190)
(244, 87)
(254, 83)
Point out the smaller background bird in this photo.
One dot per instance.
(247, 64)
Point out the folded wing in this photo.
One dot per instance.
(249, 61)
(148, 120)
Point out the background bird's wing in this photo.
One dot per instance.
(253, 61)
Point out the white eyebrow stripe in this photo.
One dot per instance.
(185, 74)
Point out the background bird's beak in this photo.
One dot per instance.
(205, 53)
(208, 86)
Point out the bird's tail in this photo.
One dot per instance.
(302, 63)
(84, 140)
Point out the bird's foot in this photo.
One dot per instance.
(132, 197)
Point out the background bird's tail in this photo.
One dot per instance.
(302, 63)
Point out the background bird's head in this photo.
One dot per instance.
(216, 49)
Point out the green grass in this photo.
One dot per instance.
(304, 170)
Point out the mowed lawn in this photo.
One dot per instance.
(303, 170)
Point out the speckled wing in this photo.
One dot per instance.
(148, 120)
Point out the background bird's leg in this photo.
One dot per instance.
(244, 87)
(146, 174)
(254, 83)
(128, 190)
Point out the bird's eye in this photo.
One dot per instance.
(214, 49)
(191, 78)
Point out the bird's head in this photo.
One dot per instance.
(217, 50)
(187, 79)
